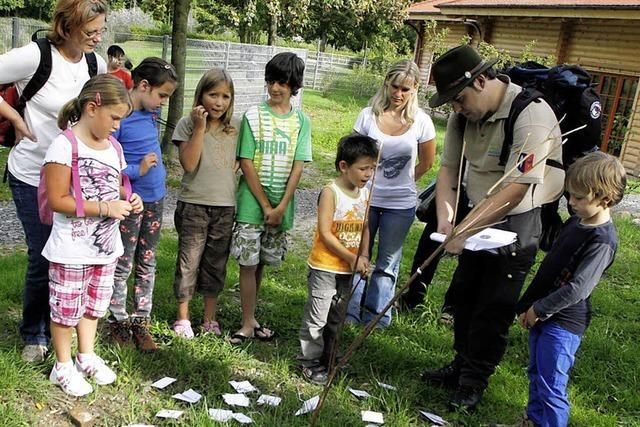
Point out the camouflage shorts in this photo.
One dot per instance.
(254, 244)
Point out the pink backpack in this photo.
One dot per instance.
(45, 212)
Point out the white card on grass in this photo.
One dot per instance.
(236, 399)
(163, 382)
(372, 417)
(265, 399)
(189, 396)
(220, 415)
(242, 418)
(359, 393)
(169, 413)
(309, 405)
(436, 419)
(387, 386)
(243, 386)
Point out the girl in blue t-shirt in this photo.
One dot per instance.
(154, 82)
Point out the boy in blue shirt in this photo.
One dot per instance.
(556, 307)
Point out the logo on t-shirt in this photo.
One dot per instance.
(525, 162)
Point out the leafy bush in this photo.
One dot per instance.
(361, 82)
(124, 20)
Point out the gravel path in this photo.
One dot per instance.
(11, 233)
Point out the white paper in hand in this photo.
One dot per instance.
(163, 382)
(372, 417)
(436, 419)
(243, 386)
(236, 400)
(309, 405)
(265, 399)
(487, 239)
(189, 396)
(220, 415)
(242, 418)
(168, 413)
(359, 393)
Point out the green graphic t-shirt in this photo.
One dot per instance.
(273, 141)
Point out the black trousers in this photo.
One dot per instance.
(417, 290)
(488, 285)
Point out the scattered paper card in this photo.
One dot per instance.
(169, 413)
(309, 405)
(487, 239)
(163, 382)
(236, 399)
(265, 399)
(243, 386)
(372, 417)
(387, 386)
(220, 415)
(436, 419)
(359, 393)
(189, 396)
(242, 418)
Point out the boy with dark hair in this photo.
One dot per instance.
(556, 307)
(334, 255)
(115, 65)
(274, 142)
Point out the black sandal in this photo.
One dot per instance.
(264, 336)
(240, 339)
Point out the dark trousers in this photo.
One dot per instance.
(417, 290)
(34, 327)
(488, 285)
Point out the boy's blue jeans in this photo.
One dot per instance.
(393, 226)
(34, 327)
(552, 354)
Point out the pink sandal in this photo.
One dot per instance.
(212, 326)
(182, 328)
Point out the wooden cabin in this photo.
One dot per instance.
(603, 36)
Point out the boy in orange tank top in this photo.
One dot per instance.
(334, 256)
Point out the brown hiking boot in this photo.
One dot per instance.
(121, 333)
(143, 339)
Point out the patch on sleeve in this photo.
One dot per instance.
(525, 162)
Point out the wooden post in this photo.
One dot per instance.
(315, 70)
(226, 55)
(15, 32)
(165, 46)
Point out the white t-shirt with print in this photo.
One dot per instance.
(395, 177)
(89, 240)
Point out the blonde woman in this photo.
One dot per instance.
(406, 137)
(76, 30)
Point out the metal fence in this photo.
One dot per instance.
(245, 62)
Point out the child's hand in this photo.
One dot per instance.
(273, 217)
(149, 161)
(362, 266)
(136, 203)
(118, 209)
(528, 319)
(199, 118)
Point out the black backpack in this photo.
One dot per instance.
(40, 77)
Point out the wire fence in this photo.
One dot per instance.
(245, 62)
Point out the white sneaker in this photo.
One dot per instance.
(34, 353)
(69, 379)
(97, 369)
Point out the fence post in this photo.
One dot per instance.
(315, 71)
(15, 32)
(165, 46)
(226, 56)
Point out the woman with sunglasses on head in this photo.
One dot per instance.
(406, 140)
(76, 29)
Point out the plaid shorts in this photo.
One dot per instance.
(254, 244)
(76, 290)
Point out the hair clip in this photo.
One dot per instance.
(98, 99)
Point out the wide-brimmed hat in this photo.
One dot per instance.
(455, 70)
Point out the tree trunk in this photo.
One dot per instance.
(323, 41)
(178, 59)
(273, 29)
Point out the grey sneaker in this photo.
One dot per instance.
(34, 353)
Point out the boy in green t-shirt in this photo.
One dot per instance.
(273, 144)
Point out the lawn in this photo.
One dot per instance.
(603, 388)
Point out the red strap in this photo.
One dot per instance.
(75, 175)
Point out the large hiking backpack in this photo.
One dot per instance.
(10, 94)
(570, 92)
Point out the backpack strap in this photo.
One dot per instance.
(92, 63)
(75, 175)
(41, 75)
(126, 182)
(521, 101)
